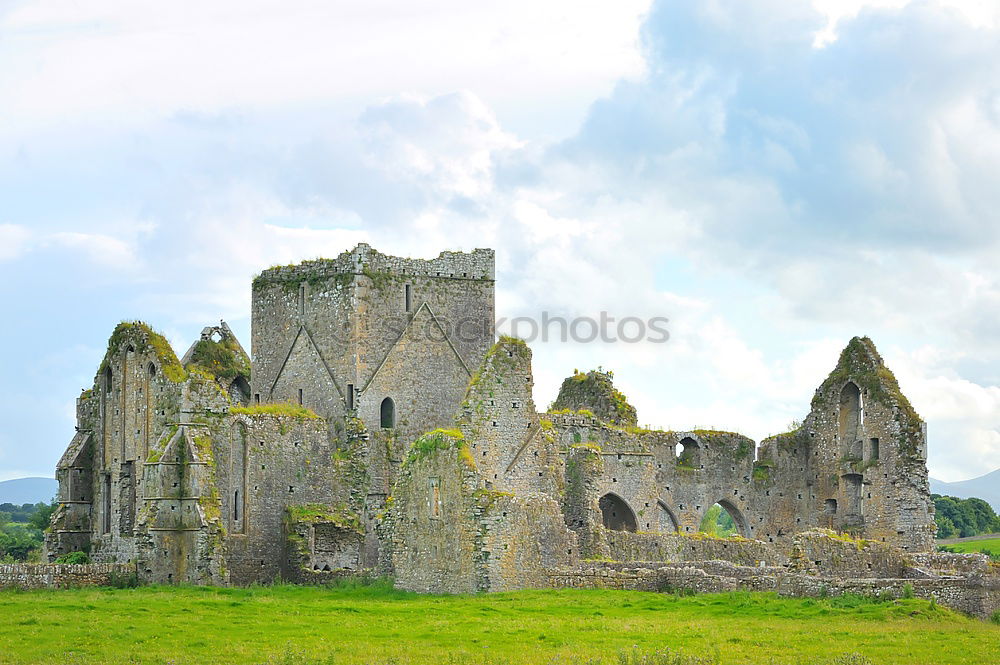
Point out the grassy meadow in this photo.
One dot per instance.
(376, 624)
(988, 545)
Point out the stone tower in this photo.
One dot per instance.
(391, 341)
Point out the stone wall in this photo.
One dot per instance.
(669, 548)
(978, 597)
(60, 576)
(286, 462)
(352, 331)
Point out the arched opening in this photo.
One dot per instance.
(616, 514)
(151, 369)
(387, 413)
(239, 391)
(850, 420)
(108, 380)
(689, 453)
(667, 519)
(723, 520)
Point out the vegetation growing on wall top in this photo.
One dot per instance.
(339, 515)
(861, 363)
(145, 340)
(223, 359)
(594, 391)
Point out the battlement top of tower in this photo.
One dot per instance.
(477, 264)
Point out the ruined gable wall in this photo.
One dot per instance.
(136, 393)
(513, 449)
(881, 495)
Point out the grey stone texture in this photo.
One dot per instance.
(28, 576)
(381, 429)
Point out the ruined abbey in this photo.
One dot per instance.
(379, 426)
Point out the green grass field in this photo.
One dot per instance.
(989, 544)
(375, 624)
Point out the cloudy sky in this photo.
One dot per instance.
(772, 176)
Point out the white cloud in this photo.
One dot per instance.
(147, 58)
(102, 250)
(771, 198)
(13, 241)
(963, 416)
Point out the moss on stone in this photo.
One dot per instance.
(145, 340)
(595, 393)
(211, 506)
(762, 471)
(861, 363)
(486, 498)
(223, 359)
(439, 439)
(312, 513)
(278, 409)
(380, 279)
(156, 452)
(203, 446)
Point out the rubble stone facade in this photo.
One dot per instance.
(381, 427)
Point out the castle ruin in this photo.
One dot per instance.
(378, 425)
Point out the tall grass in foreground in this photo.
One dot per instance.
(633, 656)
(370, 623)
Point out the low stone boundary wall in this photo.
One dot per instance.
(307, 577)
(58, 575)
(669, 547)
(978, 595)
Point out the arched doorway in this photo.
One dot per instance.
(616, 514)
(723, 520)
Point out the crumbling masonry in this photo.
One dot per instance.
(381, 427)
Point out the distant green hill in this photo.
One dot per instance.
(28, 490)
(985, 487)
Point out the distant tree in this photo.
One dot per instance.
(19, 513)
(18, 541)
(969, 517)
(43, 513)
(4, 518)
(718, 522)
(982, 512)
(945, 527)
